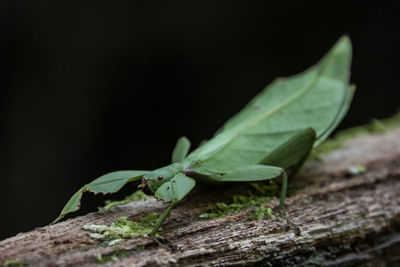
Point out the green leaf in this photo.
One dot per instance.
(317, 98)
(175, 189)
(181, 149)
(108, 183)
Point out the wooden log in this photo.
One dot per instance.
(344, 220)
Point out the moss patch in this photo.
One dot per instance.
(137, 196)
(14, 263)
(257, 195)
(261, 212)
(117, 254)
(338, 141)
(122, 229)
(114, 256)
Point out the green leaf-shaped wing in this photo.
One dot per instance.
(108, 183)
(318, 98)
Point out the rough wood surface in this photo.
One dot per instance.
(343, 221)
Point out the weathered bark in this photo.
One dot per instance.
(343, 220)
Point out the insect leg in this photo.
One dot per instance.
(291, 156)
(162, 217)
(172, 191)
(302, 151)
(282, 213)
(283, 193)
(260, 173)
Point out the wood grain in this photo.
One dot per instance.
(343, 220)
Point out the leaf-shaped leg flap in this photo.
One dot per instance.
(173, 191)
(108, 183)
(253, 173)
(181, 149)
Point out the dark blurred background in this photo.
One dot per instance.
(95, 86)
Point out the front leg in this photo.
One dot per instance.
(162, 217)
(172, 191)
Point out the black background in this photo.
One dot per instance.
(90, 87)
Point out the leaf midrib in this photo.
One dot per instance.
(288, 102)
(269, 113)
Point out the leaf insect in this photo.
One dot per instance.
(269, 138)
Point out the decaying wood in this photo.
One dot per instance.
(343, 220)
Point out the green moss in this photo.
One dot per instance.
(14, 263)
(114, 256)
(257, 195)
(261, 212)
(338, 141)
(117, 254)
(137, 196)
(122, 229)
